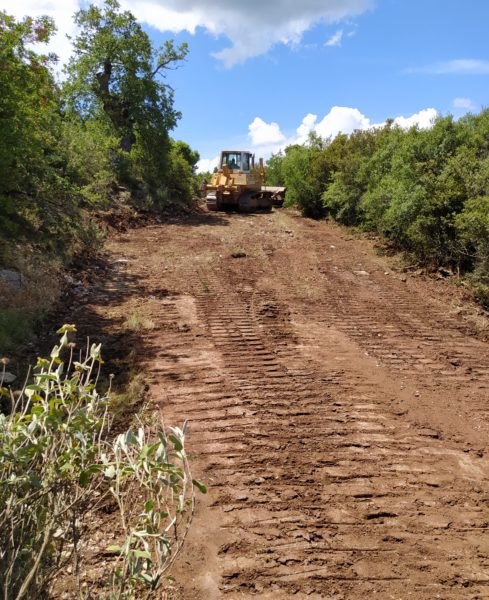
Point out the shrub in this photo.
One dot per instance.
(303, 190)
(57, 462)
(472, 225)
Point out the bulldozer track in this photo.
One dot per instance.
(327, 479)
(401, 342)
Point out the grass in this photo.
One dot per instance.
(126, 402)
(481, 294)
(138, 322)
(15, 327)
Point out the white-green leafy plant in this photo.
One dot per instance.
(58, 462)
(156, 471)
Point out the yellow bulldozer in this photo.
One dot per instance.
(239, 184)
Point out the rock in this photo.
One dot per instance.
(363, 273)
(7, 377)
(13, 278)
(238, 254)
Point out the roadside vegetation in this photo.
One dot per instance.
(60, 467)
(97, 142)
(426, 191)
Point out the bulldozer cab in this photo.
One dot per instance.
(237, 160)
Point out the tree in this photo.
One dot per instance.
(36, 201)
(116, 71)
(274, 169)
(192, 157)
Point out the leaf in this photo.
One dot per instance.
(130, 438)
(35, 388)
(114, 549)
(109, 472)
(95, 352)
(84, 478)
(66, 328)
(201, 487)
(149, 505)
(142, 554)
(148, 579)
(86, 474)
(42, 363)
(176, 442)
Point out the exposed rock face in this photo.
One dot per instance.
(7, 377)
(13, 278)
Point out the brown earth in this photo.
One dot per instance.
(338, 408)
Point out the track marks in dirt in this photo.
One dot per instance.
(320, 487)
(397, 326)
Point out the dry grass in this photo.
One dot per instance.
(138, 322)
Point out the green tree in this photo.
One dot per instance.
(274, 170)
(37, 202)
(116, 71)
(303, 177)
(27, 102)
(192, 157)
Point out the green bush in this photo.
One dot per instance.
(472, 225)
(426, 190)
(303, 190)
(57, 463)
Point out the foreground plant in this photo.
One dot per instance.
(57, 465)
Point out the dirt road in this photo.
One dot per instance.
(339, 410)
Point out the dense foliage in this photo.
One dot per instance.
(33, 192)
(65, 148)
(426, 190)
(69, 150)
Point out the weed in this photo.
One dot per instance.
(125, 403)
(57, 465)
(481, 294)
(137, 322)
(15, 326)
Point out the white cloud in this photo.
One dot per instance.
(463, 66)
(335, 39)
(253, 27)
(341, 119)
(265, 135)
(307, 125)
(423, 119)
(61, 11)
(207, 164)
(463, 103)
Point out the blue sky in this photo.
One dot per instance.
(260, 74)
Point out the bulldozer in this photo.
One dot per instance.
(239, 184)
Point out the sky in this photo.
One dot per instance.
(262, 74)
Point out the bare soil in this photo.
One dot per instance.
(338, 408)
